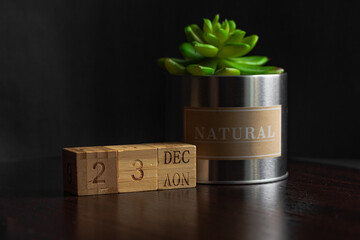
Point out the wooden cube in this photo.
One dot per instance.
(137, 167)
(89, 170)
(176, 165)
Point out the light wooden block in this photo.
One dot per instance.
(137, 167)
(176, 165)
(89, 170)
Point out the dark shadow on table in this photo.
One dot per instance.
(35, 178)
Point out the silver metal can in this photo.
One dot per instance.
(239, 125)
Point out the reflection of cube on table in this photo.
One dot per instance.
(137, 167)
(89, 170)
(176, 165)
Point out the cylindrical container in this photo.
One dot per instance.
(239, 125)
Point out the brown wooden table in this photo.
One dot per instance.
(318, 201)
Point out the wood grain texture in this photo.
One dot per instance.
(129, 168)
(137, 167)
(89, 170)
(317, 201)
(176, 165)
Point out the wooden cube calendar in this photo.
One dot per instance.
(176, 165)
(136, 168)
(129, 168)
(89, 170)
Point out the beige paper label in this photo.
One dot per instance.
(236, 133)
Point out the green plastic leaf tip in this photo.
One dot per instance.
(189, 52)
(252, 69)
(232, 25)
(225, 25)
(184, 62)
(234, 50)
(237, 36)
(251, 40)
(221, 34)
(251, 60)
(198, 70)
(194, 33)
(206, 50)
(211, 39)
(174, 67)
(227, 72)
(215, 21)
(207, 27)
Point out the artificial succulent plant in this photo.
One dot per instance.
(217, 49)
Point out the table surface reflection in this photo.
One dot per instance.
(317, 201)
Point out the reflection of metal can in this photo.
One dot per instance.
(238, 124)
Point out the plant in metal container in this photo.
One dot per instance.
(234, 107)
(218, 49)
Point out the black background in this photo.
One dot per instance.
(82, 73)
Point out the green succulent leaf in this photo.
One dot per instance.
(251, 60)
(211, 39)
(218, 48)
(216, 27)
(237, 36)
(227, 72)
(215, 21)
(198, 70)
(232, 25)
(174, 67)
(209, 62)
(207, 27)
(206, 50)
(161, 62)
(225, 25)
(251, 40)
(221, 34)
(184, 62)
(189, 52)
(234, 50)
(194, 33)
(251, 69)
